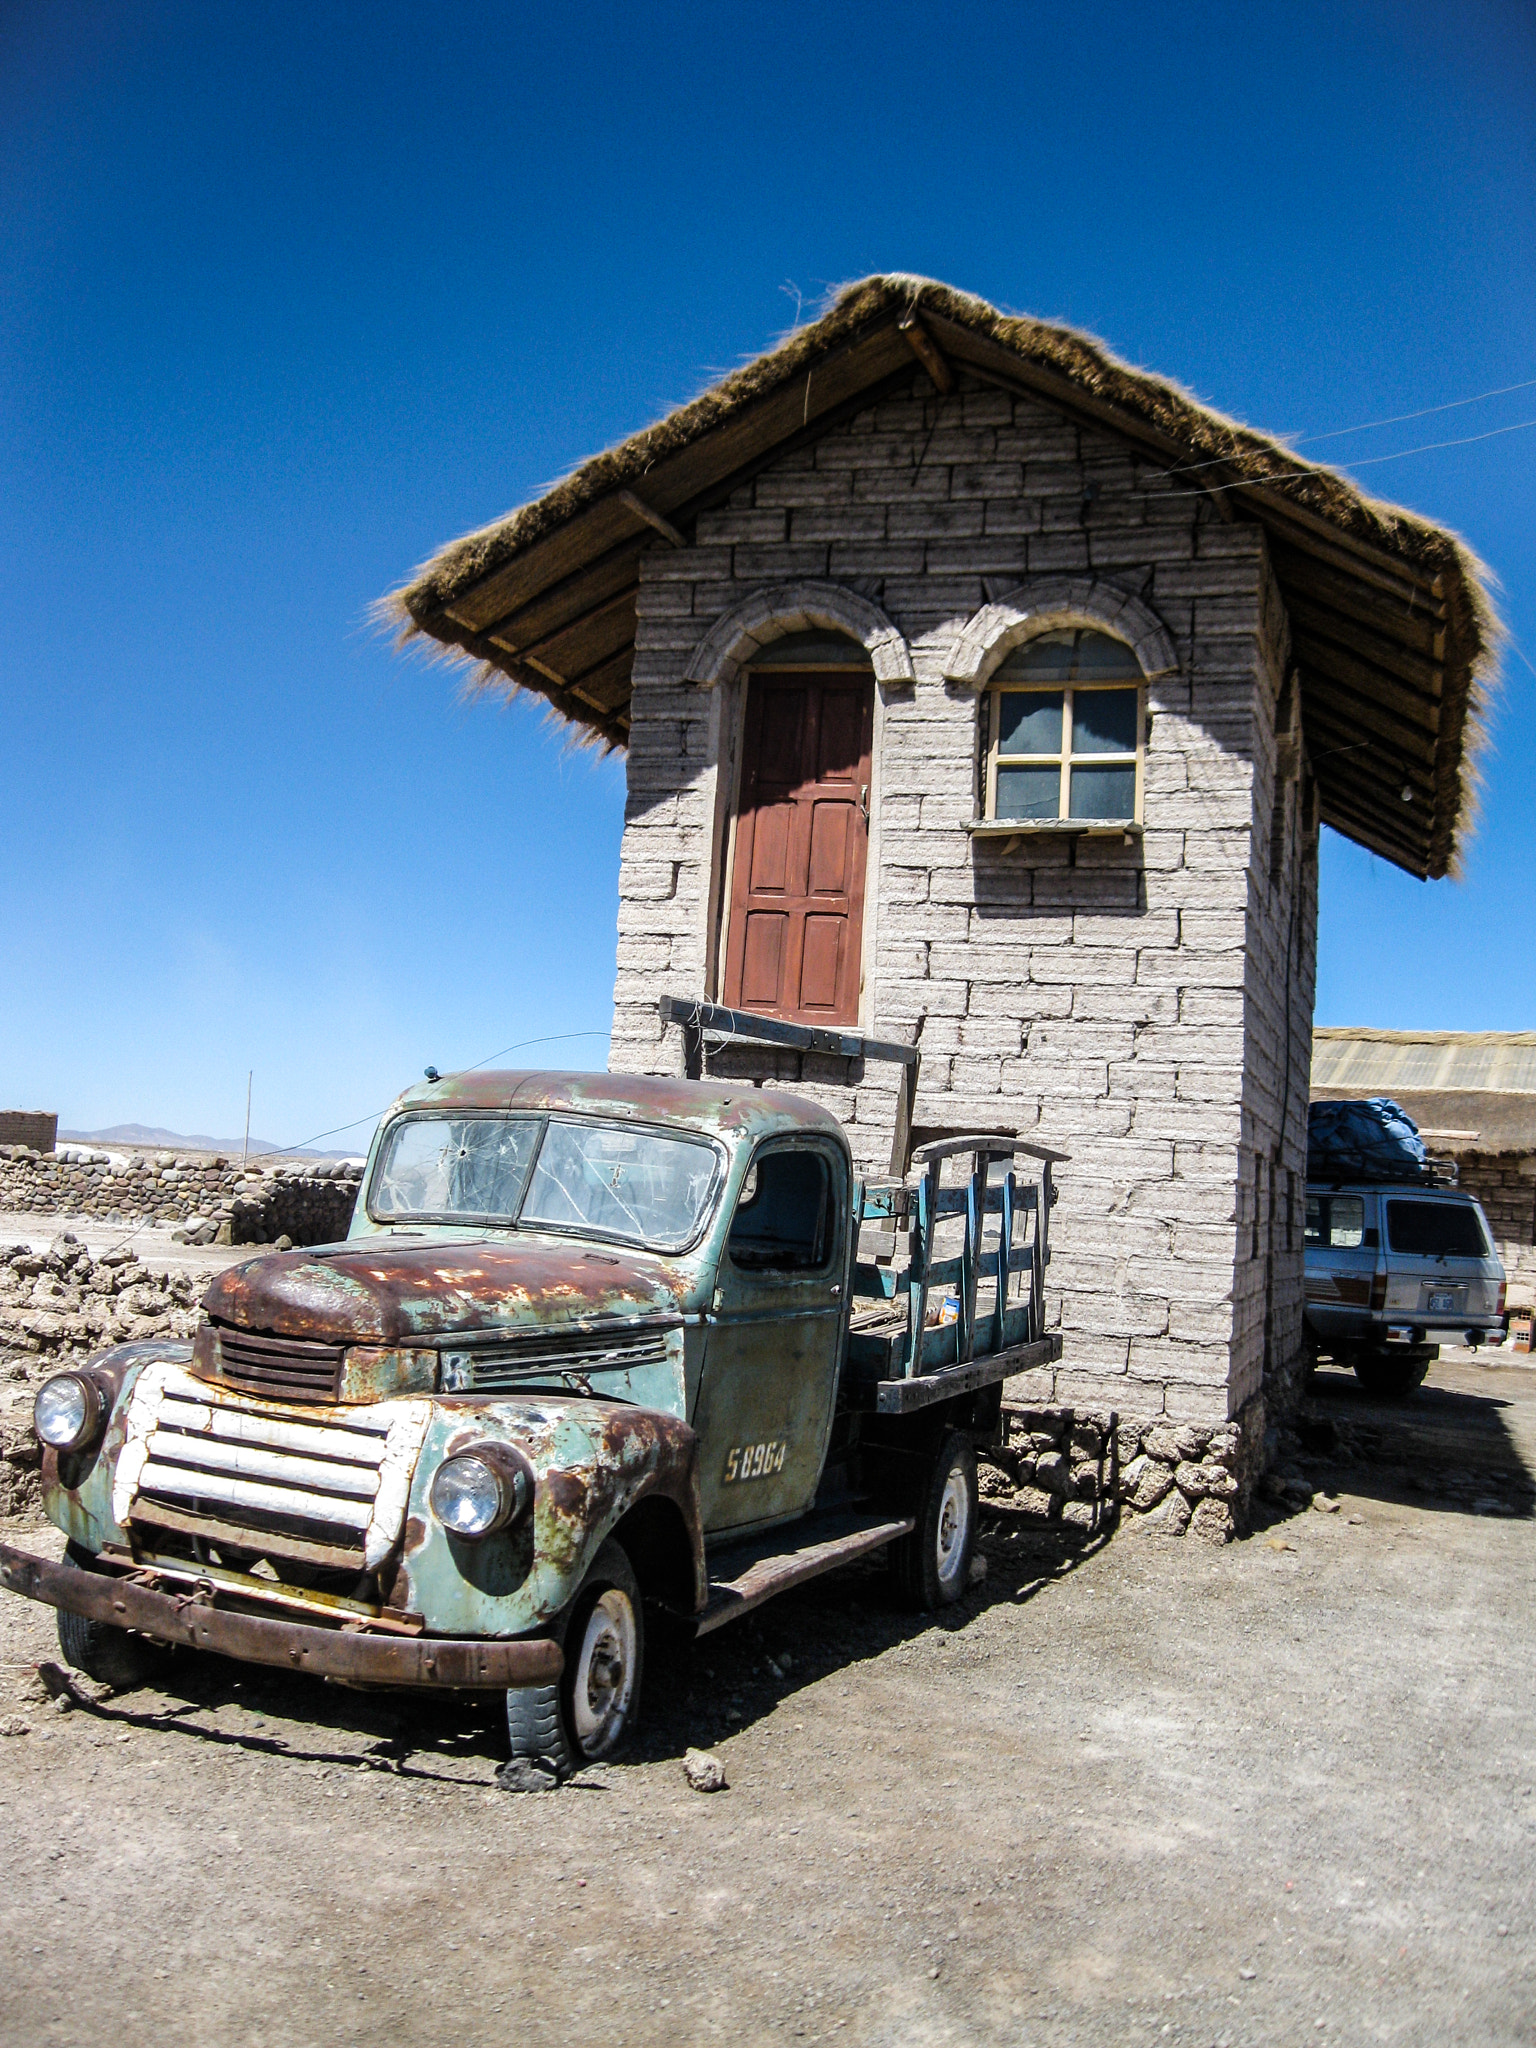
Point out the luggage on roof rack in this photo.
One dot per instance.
(1368, 1140)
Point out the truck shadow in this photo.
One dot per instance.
(697, 1693)
(1465, 1443)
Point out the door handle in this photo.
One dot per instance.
(864, 801)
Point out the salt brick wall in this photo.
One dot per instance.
(1505, 1184)
(1124, 1002)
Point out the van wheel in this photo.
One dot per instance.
(1392, 1379)
(112, 1656)
(589, 1713)
(932, 1567)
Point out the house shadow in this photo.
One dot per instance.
(1464, 1443)
(697, 1692)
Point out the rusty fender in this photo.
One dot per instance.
(291, 1646)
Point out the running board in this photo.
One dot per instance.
(762, 1569)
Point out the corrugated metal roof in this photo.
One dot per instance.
(1385, 1062)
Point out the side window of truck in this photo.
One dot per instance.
(1346, 1223)
(785, 1217)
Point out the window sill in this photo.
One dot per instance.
(1072, 828)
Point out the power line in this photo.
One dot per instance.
(1366, 462)
(551, 1038)
(1396, 420)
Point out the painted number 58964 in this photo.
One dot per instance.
(754, 1461)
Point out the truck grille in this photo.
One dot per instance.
(584, 1352)
(292, 1366)
(322, 1486)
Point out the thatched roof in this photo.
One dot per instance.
(1468, 1091)
(1392, 626)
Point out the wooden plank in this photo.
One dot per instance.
(923, 346)
(764, 1569)
(653, 518)
(569, 598)
(1418, 624)
(1327, 700)
(570, 546)
(607, 683)
(907, 1396)
(1367, 827)
(1324, 625)
(587, 624)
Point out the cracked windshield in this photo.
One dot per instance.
(635, 1185)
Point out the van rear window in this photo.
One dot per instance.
(1436, 1230)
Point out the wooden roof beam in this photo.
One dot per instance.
(928, 353)
(654, 519)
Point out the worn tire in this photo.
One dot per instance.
(589, 1713)
(112, 1656)
(1391, 1379)
(932, 1567)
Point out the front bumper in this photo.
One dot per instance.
(290, 1646)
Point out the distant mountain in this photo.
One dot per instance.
(149, 1138)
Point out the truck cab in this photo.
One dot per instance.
(590, 1346)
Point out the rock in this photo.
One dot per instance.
(1033, 1500)
(1144, 1483)
(1084, 1484)
(1322, 1505)
(528, 1774)
(978, 1570)
(1086, 1441)
(1191, 1442)
(992, 1484)
(1212, 1522)
(1190, 1480)
(1172, 1518)
(1162, 1441)
(283, 1243)
(13, 1724)
(1077, 1514)
(705, 1773)
(1051, 1471)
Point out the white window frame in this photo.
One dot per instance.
(1064, 762)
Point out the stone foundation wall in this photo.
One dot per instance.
(214, 1198)
(1082, 1470)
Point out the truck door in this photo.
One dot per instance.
(1340, 1264)
(774, 1344)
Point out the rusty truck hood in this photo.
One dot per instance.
(391, 1293)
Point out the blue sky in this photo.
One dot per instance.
(293, 294)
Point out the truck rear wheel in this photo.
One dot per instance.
(1389, 1378)
(112, 1656)
(932, 1567)
(589, 1713)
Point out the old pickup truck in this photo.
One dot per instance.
(594, 1344)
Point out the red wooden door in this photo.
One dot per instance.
(794, 938)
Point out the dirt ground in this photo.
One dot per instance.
(1137, 1791)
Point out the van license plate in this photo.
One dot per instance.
(1442, 1304)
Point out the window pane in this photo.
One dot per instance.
(1101, 792)
(1104, 721)
(1028, 793)
(1045, 659)
(784, 1218)
(1436, 1230)
(453, 1166)
(1099, 656)
(1029, 722)
(1316, 1209)
(1346, 1223)
(630, 1184)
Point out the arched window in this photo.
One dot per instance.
(1064, 725)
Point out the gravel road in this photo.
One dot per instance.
(1140, 1791)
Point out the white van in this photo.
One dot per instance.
(1392, 1273)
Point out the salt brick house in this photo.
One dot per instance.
(977, 689)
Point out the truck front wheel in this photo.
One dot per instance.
(590, 1712)
(112, 1656)
(932, 1567)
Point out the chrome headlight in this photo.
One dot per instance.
(481, 1490)
(68, 1411)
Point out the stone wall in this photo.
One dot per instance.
(38, 1128)
(1126, 1003)
(56, 1308)
(213, 1198)
(1505, 1184)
